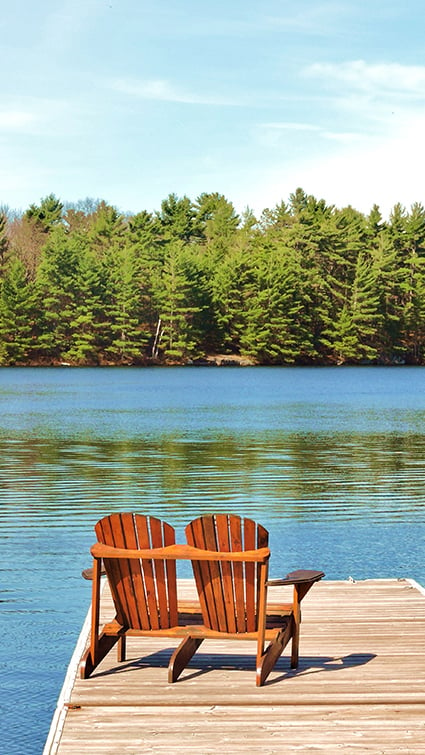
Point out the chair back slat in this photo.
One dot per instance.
(228, 590)
(250, 573)
(212, 573)
(235, 527)
(148, 571)
(262, 542)
(163, 534)
(201, 571)
(224, 543)
(170, 599)
(144, 591)
(134, 583)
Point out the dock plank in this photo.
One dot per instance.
(360, 686)
(210, 730)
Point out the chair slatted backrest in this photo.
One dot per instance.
(144, 590)
(228, 590)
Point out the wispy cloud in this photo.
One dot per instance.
(371, 98)
(14, 120)
(366, 129)
(319, 19)
(314, 17)
(375, 78)
(40, 117)
(360, 172)
(160, 89)
(274, 134)
(289, 125)
(275, 130)
(344, 137)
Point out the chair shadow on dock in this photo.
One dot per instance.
(203, 663)
(319, 664)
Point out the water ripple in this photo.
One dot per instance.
(331, 461)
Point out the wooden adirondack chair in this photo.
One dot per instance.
(138, 555)
(233, 592)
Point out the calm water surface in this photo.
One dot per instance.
(331, 460)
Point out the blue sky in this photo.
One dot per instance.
(130, 100)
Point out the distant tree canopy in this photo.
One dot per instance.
(305, 283)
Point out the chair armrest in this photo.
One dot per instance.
(297, 577)
(88, 573)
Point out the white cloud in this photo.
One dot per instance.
(377, 78)
(277, 133)
(12, 120)
(288, 125)
(38, 116)
(318, 19)
(362, 99)
(383, 169)
(345, 137)
(245, 20)
(369, 145)
(160, 89)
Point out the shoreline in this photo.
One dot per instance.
(211, 360)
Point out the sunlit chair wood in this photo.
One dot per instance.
(233, 590)
(230, 560)
(138, 555)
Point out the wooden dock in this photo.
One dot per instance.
(359, 688)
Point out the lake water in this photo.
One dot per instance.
(330, 460)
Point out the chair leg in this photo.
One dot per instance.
(272, 654)
(121, 649)
(295, 646)
(181, 657)
(296, 620)
(88, 665)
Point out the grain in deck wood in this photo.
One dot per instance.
(217, 729)
(360, 686)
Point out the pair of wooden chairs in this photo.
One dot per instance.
(229, 558)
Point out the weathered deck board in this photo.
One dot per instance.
(205, 730)
(360, 686)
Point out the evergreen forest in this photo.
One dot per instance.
(304, 283)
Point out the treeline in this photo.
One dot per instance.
(305, 283)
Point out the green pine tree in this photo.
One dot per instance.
(125, 306)
(176, 334)
(273, 332)
(17, 314)
(47, 214)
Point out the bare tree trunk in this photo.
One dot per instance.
(157, 339)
